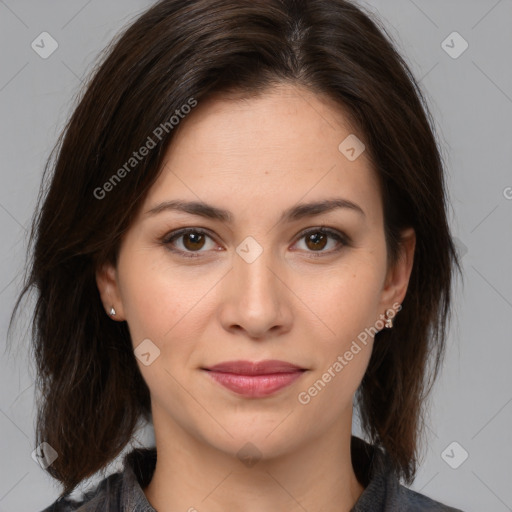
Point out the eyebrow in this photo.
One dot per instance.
(294, 213)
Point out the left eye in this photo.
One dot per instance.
(317, 239)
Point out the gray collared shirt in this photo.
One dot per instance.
(123, 491)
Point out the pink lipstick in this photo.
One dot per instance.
(255, 379)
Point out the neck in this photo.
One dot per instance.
(193, 475)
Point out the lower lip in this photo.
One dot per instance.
(255, 386)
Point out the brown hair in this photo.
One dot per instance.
(92, 393)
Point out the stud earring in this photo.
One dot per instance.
(112, 311)
(389, 321)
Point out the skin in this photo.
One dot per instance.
(256, 158)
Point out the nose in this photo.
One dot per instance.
(255, 299)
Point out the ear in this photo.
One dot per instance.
(106, 280)
(397, 278)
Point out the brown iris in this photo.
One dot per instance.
(317, 241)
(193, 241)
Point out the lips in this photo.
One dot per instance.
(267, 367)
(255, 379)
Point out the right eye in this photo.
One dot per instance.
(192, 241)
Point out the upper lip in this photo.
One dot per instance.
(269, 366)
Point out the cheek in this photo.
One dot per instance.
(159, 304)
(343, 344)
(157, 297)
(344, 299)
(170, 307)
(149, 306)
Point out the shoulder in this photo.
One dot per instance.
(105, 496)
(121, 491)
(408, 500)
(383, 491)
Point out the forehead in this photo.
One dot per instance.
(265, 152)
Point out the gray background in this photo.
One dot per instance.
(471, 99)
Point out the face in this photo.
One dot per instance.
(266, 280)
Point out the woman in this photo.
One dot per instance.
(244, 236)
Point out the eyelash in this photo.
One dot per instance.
(337, 235)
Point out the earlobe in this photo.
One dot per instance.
(106, 281)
